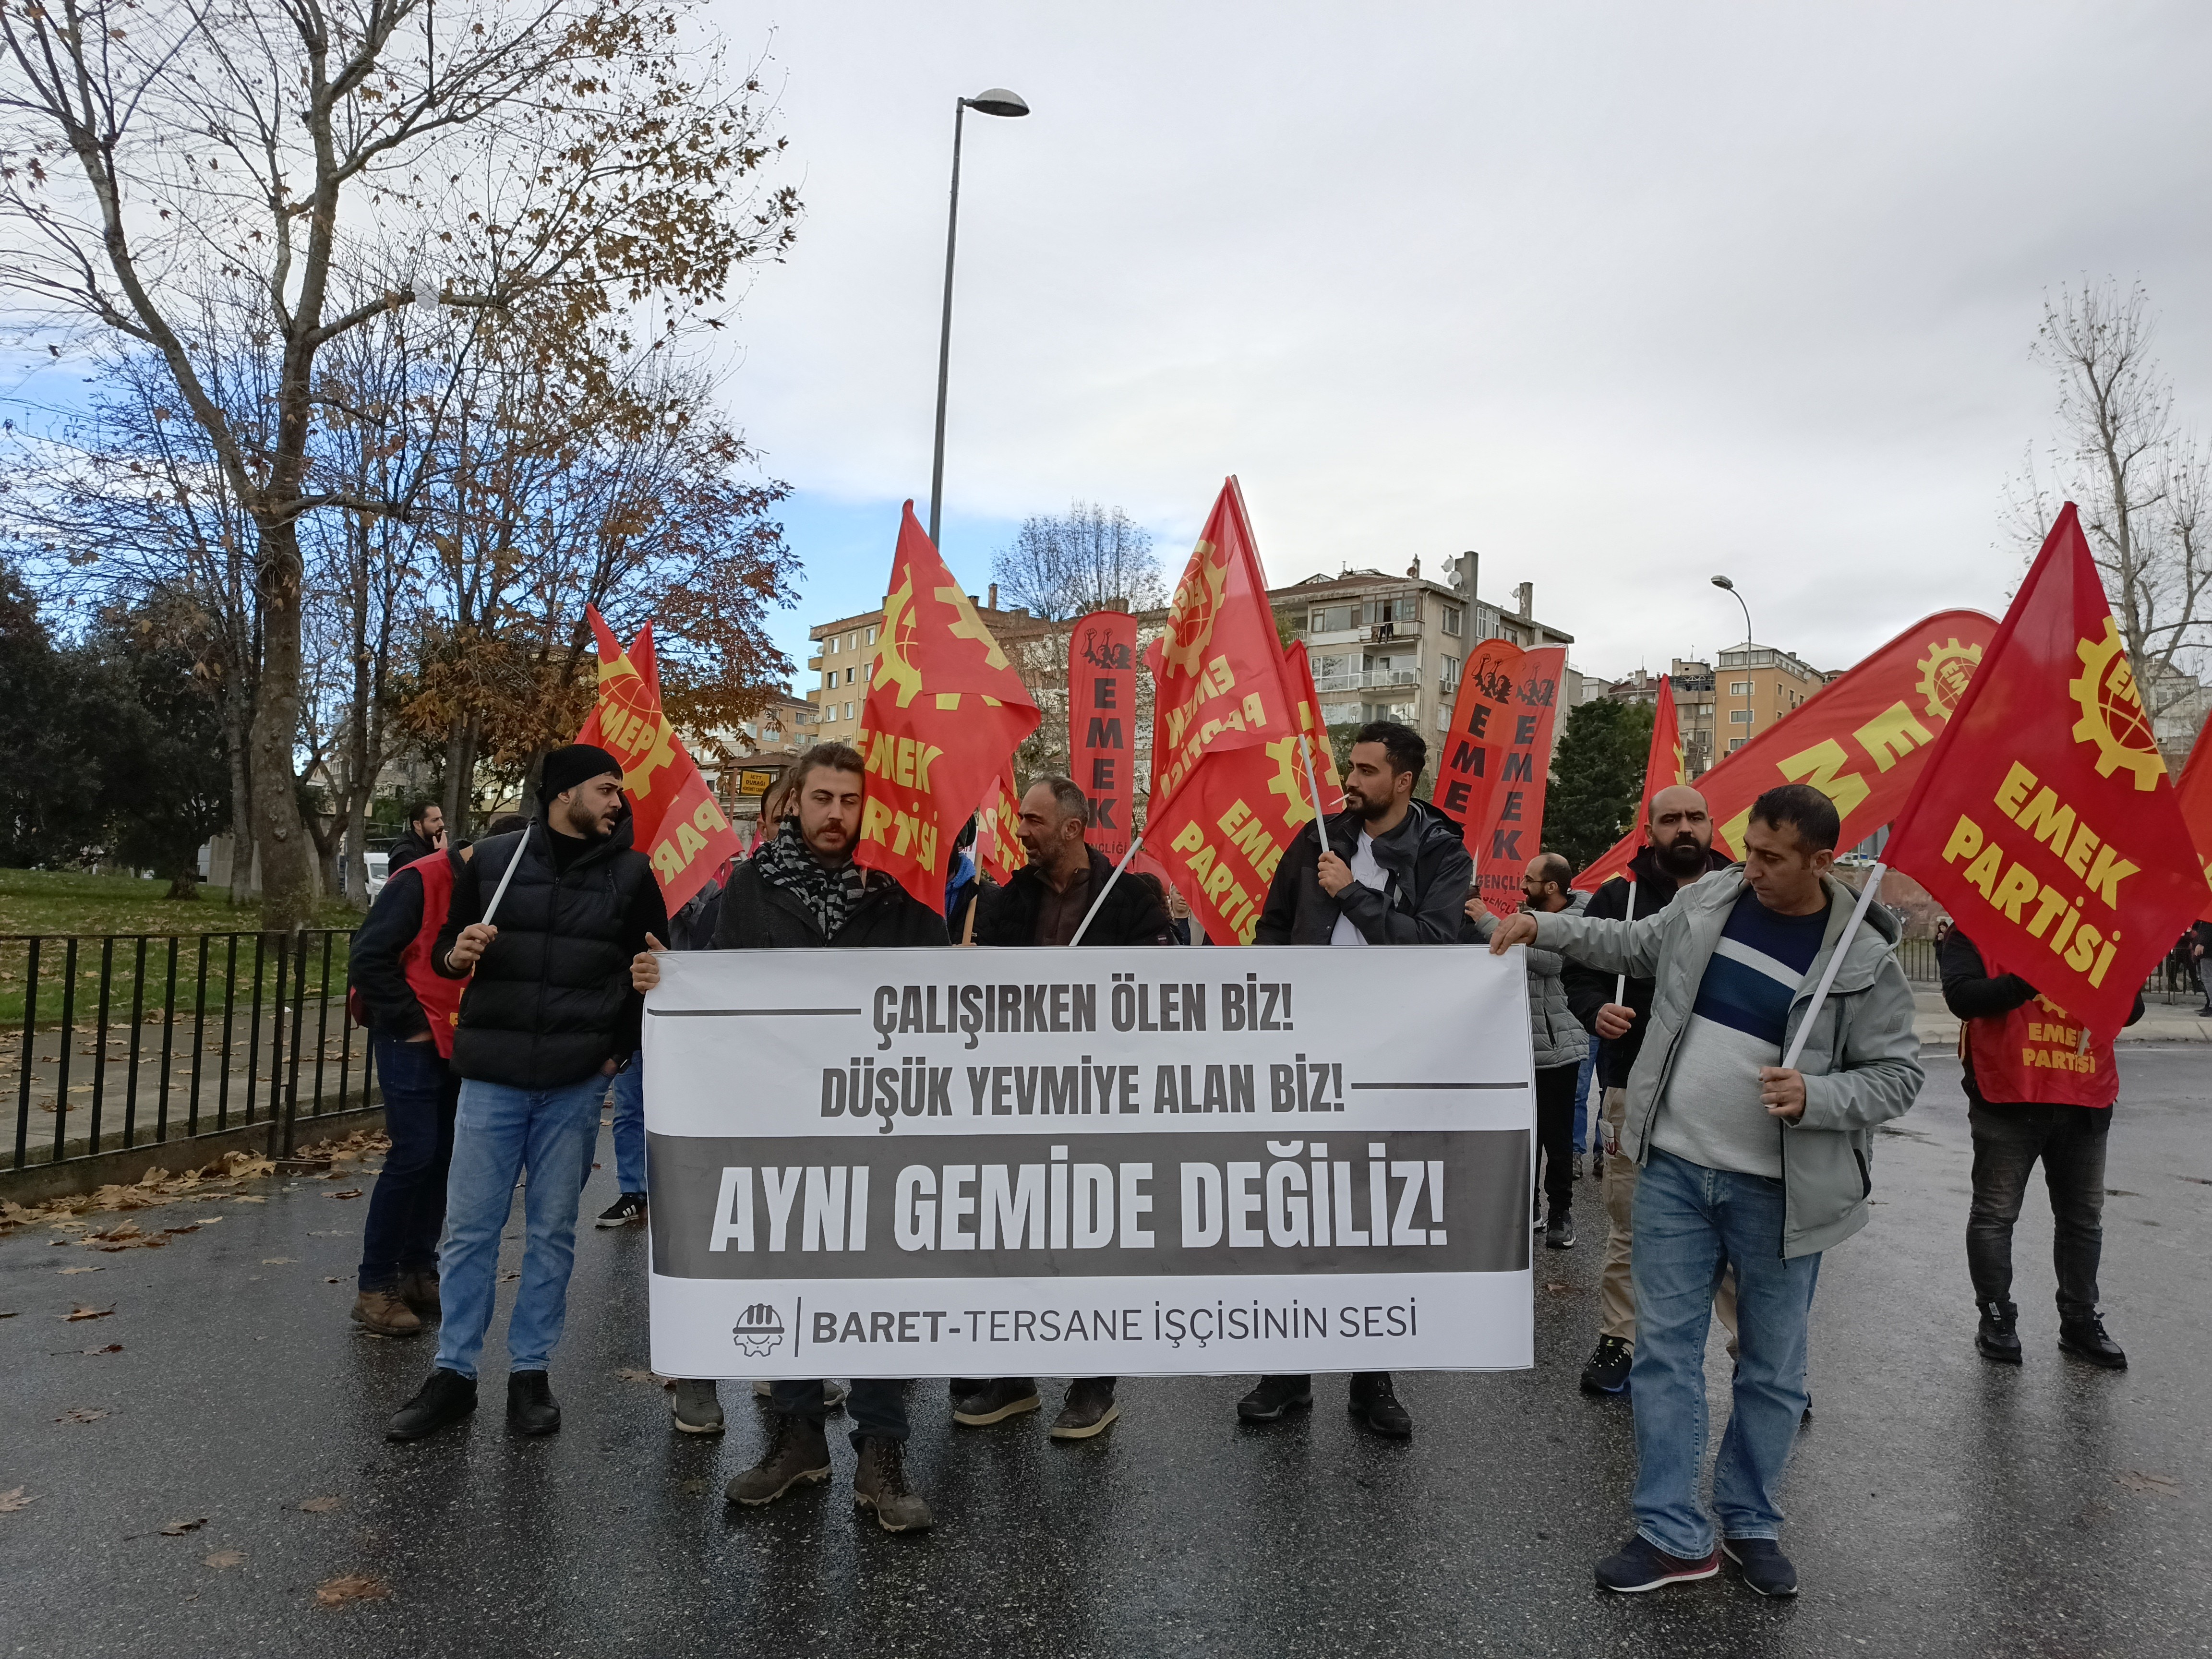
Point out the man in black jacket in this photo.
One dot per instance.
(547, 1018)
(803, 889)
(1394, 872)
(1678, 849)
(426, 833)
(1045, 903)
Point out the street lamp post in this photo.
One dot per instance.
(997, 100)
(1748, 714)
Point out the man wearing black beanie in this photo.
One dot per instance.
(543, 924)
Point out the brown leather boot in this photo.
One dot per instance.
(796, 1451)
(879, 1484)
(383, 1312)
(419, 1291)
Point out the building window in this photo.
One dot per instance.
(871, 636)
(1330, 619)
(829, 677)
(848, 676)
(1450, 614)
(848, 711)
(1738, 688)
(830, 645)
(1739, 717)
(1448, 671)
(1735, 744)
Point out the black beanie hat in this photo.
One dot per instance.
(565, 769)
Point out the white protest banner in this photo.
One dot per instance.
(1089, 1162)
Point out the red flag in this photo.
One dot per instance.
(676, 822)
(1862, 740)
(1102, 707)
(999, 850)
(1230, 751)
(2194, 796)
(1509, 831)
(1299, 667)
(2044, 821)
(1664, 769)
(1472, 755)
(945, 708)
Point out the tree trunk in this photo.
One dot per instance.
(239, 754)
(184, 885)
(288, 854)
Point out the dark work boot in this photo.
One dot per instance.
(1089, 1409)
(1274, 1395)
(530, 1407)
(1374, 1403)
(879, 1484)
(2085, 1338)
(995, 1401)
(798, 1450)
(1998, 1338)
(448, 1397)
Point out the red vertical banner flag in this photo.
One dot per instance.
(944, 709)
(676, 820)
(2044, 821)
(1300, 669)
(1102, 702)
(999, 850)
(2194, 796)
(1665, 767)
(1229, 779)
(1509, 831)
(1472, 755)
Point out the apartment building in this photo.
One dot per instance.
(1391, 648)
(1722, 709)
(835, 679)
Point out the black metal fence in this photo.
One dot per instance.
(136, 1040)
(2172, 980)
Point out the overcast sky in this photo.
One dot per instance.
(1618, 296)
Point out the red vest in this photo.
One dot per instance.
(440, 997)
(2035, 1054)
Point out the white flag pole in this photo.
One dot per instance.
(1835, 961)
(507, 875)
(1135, 842)
(1313, 785)
(1620, 981)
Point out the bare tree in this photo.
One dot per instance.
(1091, 559)
(565, 164)
(2139, 479)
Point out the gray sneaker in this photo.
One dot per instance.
(697, 1409)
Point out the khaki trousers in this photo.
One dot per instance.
(1616, 1289)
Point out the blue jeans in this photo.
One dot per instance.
(1691, 1223)
(499, 1132)
(629, 1096)
(1585, 1118)
(400, 1235)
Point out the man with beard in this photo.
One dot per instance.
(426, 833)
(1677, 850)
(1393, 870)
(1044, 903)
(803, 890)
(547, 1017)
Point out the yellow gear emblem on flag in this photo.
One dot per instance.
(892, 664)
(621, 685)
(1290, 783)
(2112, 714)
(1944, 673)
(1197, 604)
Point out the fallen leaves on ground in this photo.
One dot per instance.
(1558, 1287)
(2136, 1480)
(226, 1558)
(94, 1268)
(179, 1528)
(510, 1273)
(279, 1261)
(351, 1587)
(112, 1347)
(16, 1498)
(351, 1192)
(76, 1314)
(158, 1187)
(81, 1414)
(632, 1374)
(321, 1506)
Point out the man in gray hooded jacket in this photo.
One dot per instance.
(1746, 1163)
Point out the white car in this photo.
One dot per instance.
(379, 868)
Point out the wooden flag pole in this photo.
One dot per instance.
(1835, 961)
(1135, 842)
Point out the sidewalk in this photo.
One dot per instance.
(1937, 1027)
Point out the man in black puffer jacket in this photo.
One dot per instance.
(1395, 872)
(548, 1017)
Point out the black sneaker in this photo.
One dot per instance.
(996, 1401)
(530, 1407)
(629, 1207)
(1998, 1337)
(1274, 1395)
(1374, 1403)
(1089, 1410)
(1640, 1564)
(1560, 1234)
(448, 1397)
(1764, 1567)
(2085, 1338)
(1608, 1371)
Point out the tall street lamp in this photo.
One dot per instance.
(995, 101)
(1722, 581)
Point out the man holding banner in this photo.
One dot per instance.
(1781, 1035)
(1392, 871)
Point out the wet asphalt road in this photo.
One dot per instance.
(1938, 1504)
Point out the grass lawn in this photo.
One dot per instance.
(55, 905)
